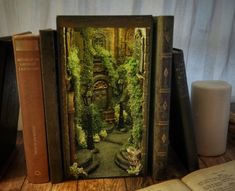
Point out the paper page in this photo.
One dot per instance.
(216, 178)
(170, 185)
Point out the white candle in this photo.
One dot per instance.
(211, 106)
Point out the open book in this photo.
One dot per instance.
(216, 178)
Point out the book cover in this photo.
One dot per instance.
(181, 133)
(49, 65)
(9, 102)
(161, 91)
(104, 77)
(28, 72)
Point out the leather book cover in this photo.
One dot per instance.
(163, 40)
(9, 102)
(28, 70)
(181, 132)
(50, 89)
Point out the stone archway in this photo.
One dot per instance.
(100, 94)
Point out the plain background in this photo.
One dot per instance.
(204, 29)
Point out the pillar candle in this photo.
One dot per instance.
(211, 106)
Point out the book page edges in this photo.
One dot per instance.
(169, 185)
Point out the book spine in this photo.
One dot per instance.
(9, 102)
(163, 60)
(181, 125)
(28, 72)
(48, 47)
(3, 55)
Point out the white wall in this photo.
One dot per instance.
(204, 29)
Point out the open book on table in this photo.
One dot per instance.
(216, 178)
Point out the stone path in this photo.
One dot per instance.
(108, 149)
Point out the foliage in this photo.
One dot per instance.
(97, 120)
(74, 70)
(109, 62)
(117, 112)
(103, 133)
(87, 67)
(81, 80)
(134, 156)
(76, 171)
(134, 82)
(81, 137)
(96, 138)
(135, 170)
(124, 78)
(86, 86)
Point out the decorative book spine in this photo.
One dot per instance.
(181, 132)
(49, 79)
(28, 71)
(163, 60)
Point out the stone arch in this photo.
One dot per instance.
(101, 92)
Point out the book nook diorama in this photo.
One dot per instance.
(104, 77)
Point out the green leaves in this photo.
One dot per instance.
(135, 93)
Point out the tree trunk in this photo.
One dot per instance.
(121, 117)
(90, 142)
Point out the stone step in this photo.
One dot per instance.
(124, 154)
(121, 161)
(84, 158)
(120, 165)
(94, 165)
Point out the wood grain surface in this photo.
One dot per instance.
(15, 178)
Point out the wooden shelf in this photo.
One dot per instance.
(15, 177)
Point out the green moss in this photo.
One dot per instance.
(74, 70)
(81, 137)
(109, 63)
(98, 122)
(135, 99)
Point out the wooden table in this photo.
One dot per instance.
(15, 178)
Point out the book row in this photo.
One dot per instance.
(100, 96)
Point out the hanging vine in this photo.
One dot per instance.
(109, 63)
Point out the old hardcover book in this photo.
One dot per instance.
(48, 42)
(181, 132)
(29, 81)
(9, 103)
(104, 89)
(219, 177)
(163, 41)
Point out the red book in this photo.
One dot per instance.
(28, 72)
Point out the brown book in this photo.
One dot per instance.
(28, 71)
(49, 79)
(181, 131)
(218, 177)
(9, 103)
(163, 40)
